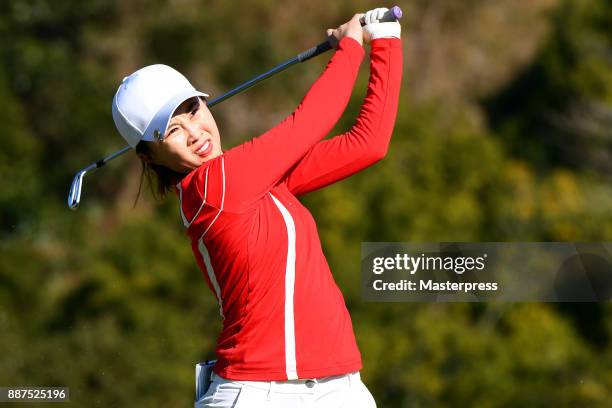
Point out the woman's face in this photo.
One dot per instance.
(191, 139)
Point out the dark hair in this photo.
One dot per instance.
(161, 179)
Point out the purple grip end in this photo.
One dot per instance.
(396, 12)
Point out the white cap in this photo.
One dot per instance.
(146, 100)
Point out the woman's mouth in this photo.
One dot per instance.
(205, 149)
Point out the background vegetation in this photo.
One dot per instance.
(503, 134)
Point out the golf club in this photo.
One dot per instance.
(74, 195)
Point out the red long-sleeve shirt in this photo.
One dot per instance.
(257, 245)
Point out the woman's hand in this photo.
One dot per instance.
(375, 28)
(351, 28)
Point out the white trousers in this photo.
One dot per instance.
(339, 391)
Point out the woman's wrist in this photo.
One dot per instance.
(349, 42)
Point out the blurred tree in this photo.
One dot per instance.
(559, 109)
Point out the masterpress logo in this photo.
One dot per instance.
(482, 271)
(423, 262)
(417, 272)
(438, 273)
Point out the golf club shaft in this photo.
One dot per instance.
(392, 14)
(74, 195)
(313, 52)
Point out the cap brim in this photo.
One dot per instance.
(159, 123)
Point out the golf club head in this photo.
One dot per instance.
(74, 196)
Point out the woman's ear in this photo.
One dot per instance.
(145, 152)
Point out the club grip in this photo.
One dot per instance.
(393, 14)
(314, 51)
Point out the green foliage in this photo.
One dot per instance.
(109, 301)
(19, 154)
(563, 117)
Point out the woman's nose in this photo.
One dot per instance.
(193, 135)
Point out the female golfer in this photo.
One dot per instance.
(287, 338)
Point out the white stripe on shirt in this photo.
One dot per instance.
(290, 360)
(180, 189)
(222, 197)
(202, 246)
(211, 274)
(186, 223)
